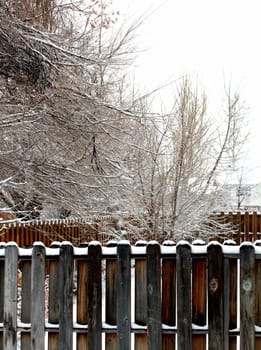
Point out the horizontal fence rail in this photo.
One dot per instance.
(148, 296)
(239, 226)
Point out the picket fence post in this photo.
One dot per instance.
(10, 297)
(94, 296)
(154, 296)
(65, 297)
(123, 296)
(247, 297)
(38, 297)
(184, 312)
(215, 297)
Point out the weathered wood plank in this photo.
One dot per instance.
(199, 291)
(111, 298)
(141, 340)
(258, 300)
(94, 296)
(154, 296)
(168, 298)
(247, 297)
(10, 297)
(26, 268)
(199, 300)
(246, 226)
(38, 297)
(53, 300)
(123, 296)
(230, 299)
(215, 297)
(2, 278)
(66, 296)
(110, 341)
(198, 342)
(184, 306)
(82, 299)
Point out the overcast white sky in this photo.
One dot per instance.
(212, 40)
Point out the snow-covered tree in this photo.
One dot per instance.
(62, 119)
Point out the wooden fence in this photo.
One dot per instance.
(122, 297)
(238, 226)
(74, 230)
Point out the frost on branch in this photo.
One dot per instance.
(25, 57)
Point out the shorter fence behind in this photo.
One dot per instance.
(148, 296)
(237, 226)
(74, 230)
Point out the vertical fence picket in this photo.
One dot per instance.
(215, 297)
(240, 224)
(123, 296)
(184, 296)
(111, 298)
(53, 299)
(2, 278)
(21, 235)
(169, 297)
(82, 299)
(254, 225)
(246, 226)
(66, 297)
(199, 298)
(141, 340)
(258, 297)
(230, 300)
(26, 302)
(94, 296)
(38, 297)
(26, 235)
(247, 297)
(154, 296)
(258, 223)
(10, 297)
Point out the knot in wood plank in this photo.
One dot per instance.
(213, 285)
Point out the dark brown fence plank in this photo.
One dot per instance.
(141, 340)
(154, 296)
(199, 299)
(254, 225)
(26, 302)
(168, 297)
(94, 296)
(38, 298)
(246, 226)
(123, 296)
(65, 296)
(230, 299)
(258, 298)
(53, 299)
(247, 297)
(215, 297)
(184, 306)
(82, 300)
(10, 297)
(111, 298)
